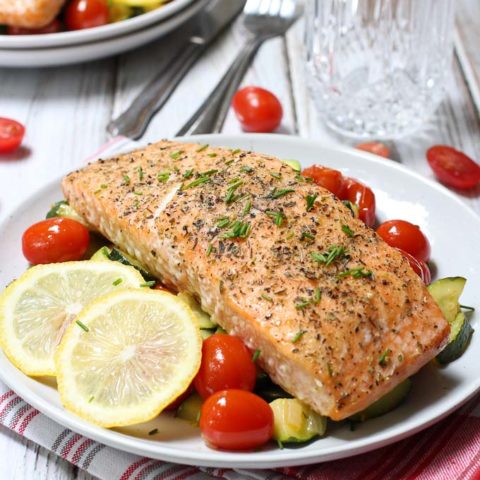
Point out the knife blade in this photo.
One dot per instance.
(206, 26)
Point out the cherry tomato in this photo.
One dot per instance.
(236, 420)
(364, 197)
(257, 109)
(80, 14)
(453, 168)
(407, 237)
(226, 363)
(53, 27)
(11, 135)
(55, 240)
(179, 400)
(377, 148)
(327, 178)
(419, 267)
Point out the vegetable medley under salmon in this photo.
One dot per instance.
(338, 317)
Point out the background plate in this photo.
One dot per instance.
(454, 233)
(93, 34)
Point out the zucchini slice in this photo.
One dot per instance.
(295, 422)
(101, 255)
(269, 391)
(63, 209)
(460, 333)
(295, 164)
(122, 257)
(190, 409)
(203, 318)
(385, 404)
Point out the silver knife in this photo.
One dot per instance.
(209, 23)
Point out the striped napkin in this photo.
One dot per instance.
(447, 451)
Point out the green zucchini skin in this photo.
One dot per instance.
(190, 409)
(119, 256)
(459, 343)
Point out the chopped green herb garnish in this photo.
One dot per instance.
(176, 155)
(223, 222)
(137, 193)
(148, 284)
(317, 296)
(334, 252)
(278, 217)
(311, 201)
(266, 297)
(163, 176)
(347, 231)
(118, 281)
(384, 357)
(82, 325)
(140, 173)
(208, 173)
(247, 207)
(353, 207)
(136, 204)
(209, 249)
(278, 193)
(276, 175)
(103, 186)
(90, 400)
(230, 196)
(211, 154)
(357, 272)
(329, 370)
(307, 235)
(188, 174)
(153, 432)
(246, 169)
(202, 148)
(196, 183)
(256, 355)
(126, 180)
(237, 150)
(238, 230)
(298, 336)
(303, 303)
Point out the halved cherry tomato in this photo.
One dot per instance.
(453, 168)
(54, 27)
(363, 196)
(226, 363)
(257, 109)
(11, 135)
(179, 400)
(55, 240)
(407, 237)
(419, 267)
(80, 14)
(377, 148)
(236, 420)
(327, 178)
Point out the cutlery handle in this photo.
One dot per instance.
(134, 121)
(209, 118)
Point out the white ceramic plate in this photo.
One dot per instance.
(59, 56)
(454, 232)
(93, 34)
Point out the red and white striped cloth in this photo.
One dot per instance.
(447, 451)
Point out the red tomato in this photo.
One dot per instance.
(407, 237)
(54, 27)
(377, 148)
(453, 168)
(11, 135)
(364, 197)
(419, 267)
(226, 363)
(257, 109)
(236, 420)
(327, 178)
(80, 14)
(179, 400)
(55, 240)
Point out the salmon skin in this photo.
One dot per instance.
(338, 316)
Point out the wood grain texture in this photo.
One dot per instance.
(66, 111)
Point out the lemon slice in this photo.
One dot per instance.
(128, 356)
(36, 309)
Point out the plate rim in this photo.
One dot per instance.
(289, 457)
(35, 42)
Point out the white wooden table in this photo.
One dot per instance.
(66, 111)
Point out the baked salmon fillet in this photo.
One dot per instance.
(29, 13)
(338, 316)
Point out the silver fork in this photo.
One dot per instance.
(264, 19)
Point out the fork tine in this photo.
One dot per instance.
(288, 8)
(252, 7)
(274, 9)
(264, 7)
